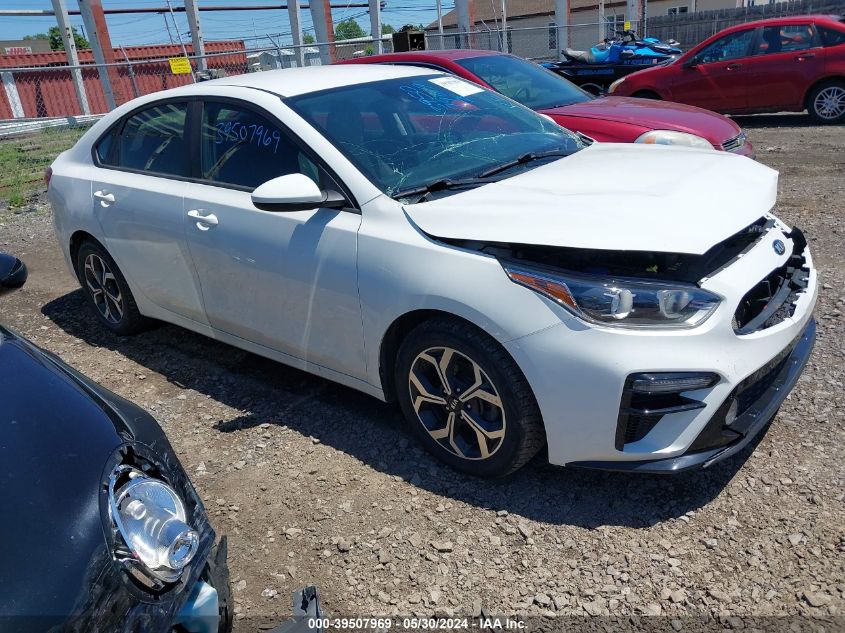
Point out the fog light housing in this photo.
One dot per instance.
(655, 383)
(152, 521)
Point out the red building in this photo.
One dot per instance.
(44, 88)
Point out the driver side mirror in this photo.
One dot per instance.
(12, 273)
(294, 192)
(692, 63)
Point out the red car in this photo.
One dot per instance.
(606, 119)
(782, 64)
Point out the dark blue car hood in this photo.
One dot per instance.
(60, 435)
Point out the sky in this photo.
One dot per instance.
(217, 25)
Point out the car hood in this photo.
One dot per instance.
(612, 197)
(58, 433)
(54, 443)
(653, 114)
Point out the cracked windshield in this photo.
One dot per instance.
(416, 135)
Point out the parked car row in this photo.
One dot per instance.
(605, 119)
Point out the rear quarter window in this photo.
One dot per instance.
(151, 140)
(831, 37)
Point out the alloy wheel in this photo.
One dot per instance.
(104, 289)
(829, 104)
(457, 403)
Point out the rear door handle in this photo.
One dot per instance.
(104, 197)
(204, 220)
(733, 66)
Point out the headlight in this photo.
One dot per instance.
(151, 518)
(625, 303)
(615, 85)
(670, 137)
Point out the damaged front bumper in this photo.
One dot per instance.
(777, 381)
(209, 607)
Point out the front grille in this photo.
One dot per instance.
(773, 299)
(638, 426)
(735, 144)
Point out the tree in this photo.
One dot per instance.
(411, 27)
(308, 39)
(348, 29)
(55, 37)
(387, 29)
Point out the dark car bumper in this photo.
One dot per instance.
(748, 425)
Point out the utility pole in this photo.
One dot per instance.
(72, 58)
(98, 31)
(440, 21)
(179, 36)
(562, 22)
(464, 22)
(602, 22)
(321, 16)
(192, 10)
(375, 26)
(505, 46)
(296, 32)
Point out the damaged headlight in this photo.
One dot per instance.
(151, 518)
(671, 137)
(617, 302)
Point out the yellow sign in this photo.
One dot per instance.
(180, 65)
(626, 27)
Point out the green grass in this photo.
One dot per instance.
(23, 161)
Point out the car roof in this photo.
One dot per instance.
(422, 56)
(291, 82)
(791, 19)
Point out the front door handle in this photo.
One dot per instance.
(805, 57)
(733, 66)
(204, 220)
(104, 197)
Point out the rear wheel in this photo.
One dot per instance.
(466, 400)
(826, 102)
(107, 290)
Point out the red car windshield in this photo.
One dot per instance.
(524, 82)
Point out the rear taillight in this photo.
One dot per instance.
(48, 174)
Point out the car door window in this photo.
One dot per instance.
(831, 37)
(731, 46)
(152, 140)
(785, 39)
(244, 149)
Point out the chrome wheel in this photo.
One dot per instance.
(829, 104)
(457, 403)
(103, 287)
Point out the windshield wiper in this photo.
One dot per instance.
(522, 160)
(439, 185)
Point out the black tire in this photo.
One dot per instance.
(825, 96)
(647, 94)
(122, 318)
(518, 418)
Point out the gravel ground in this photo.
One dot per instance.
(315, 483)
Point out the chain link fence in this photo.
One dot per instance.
(540, 43)
(52, 90)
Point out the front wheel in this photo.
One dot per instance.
(826, 102)
(466, 400)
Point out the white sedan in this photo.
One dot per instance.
(419, 238)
